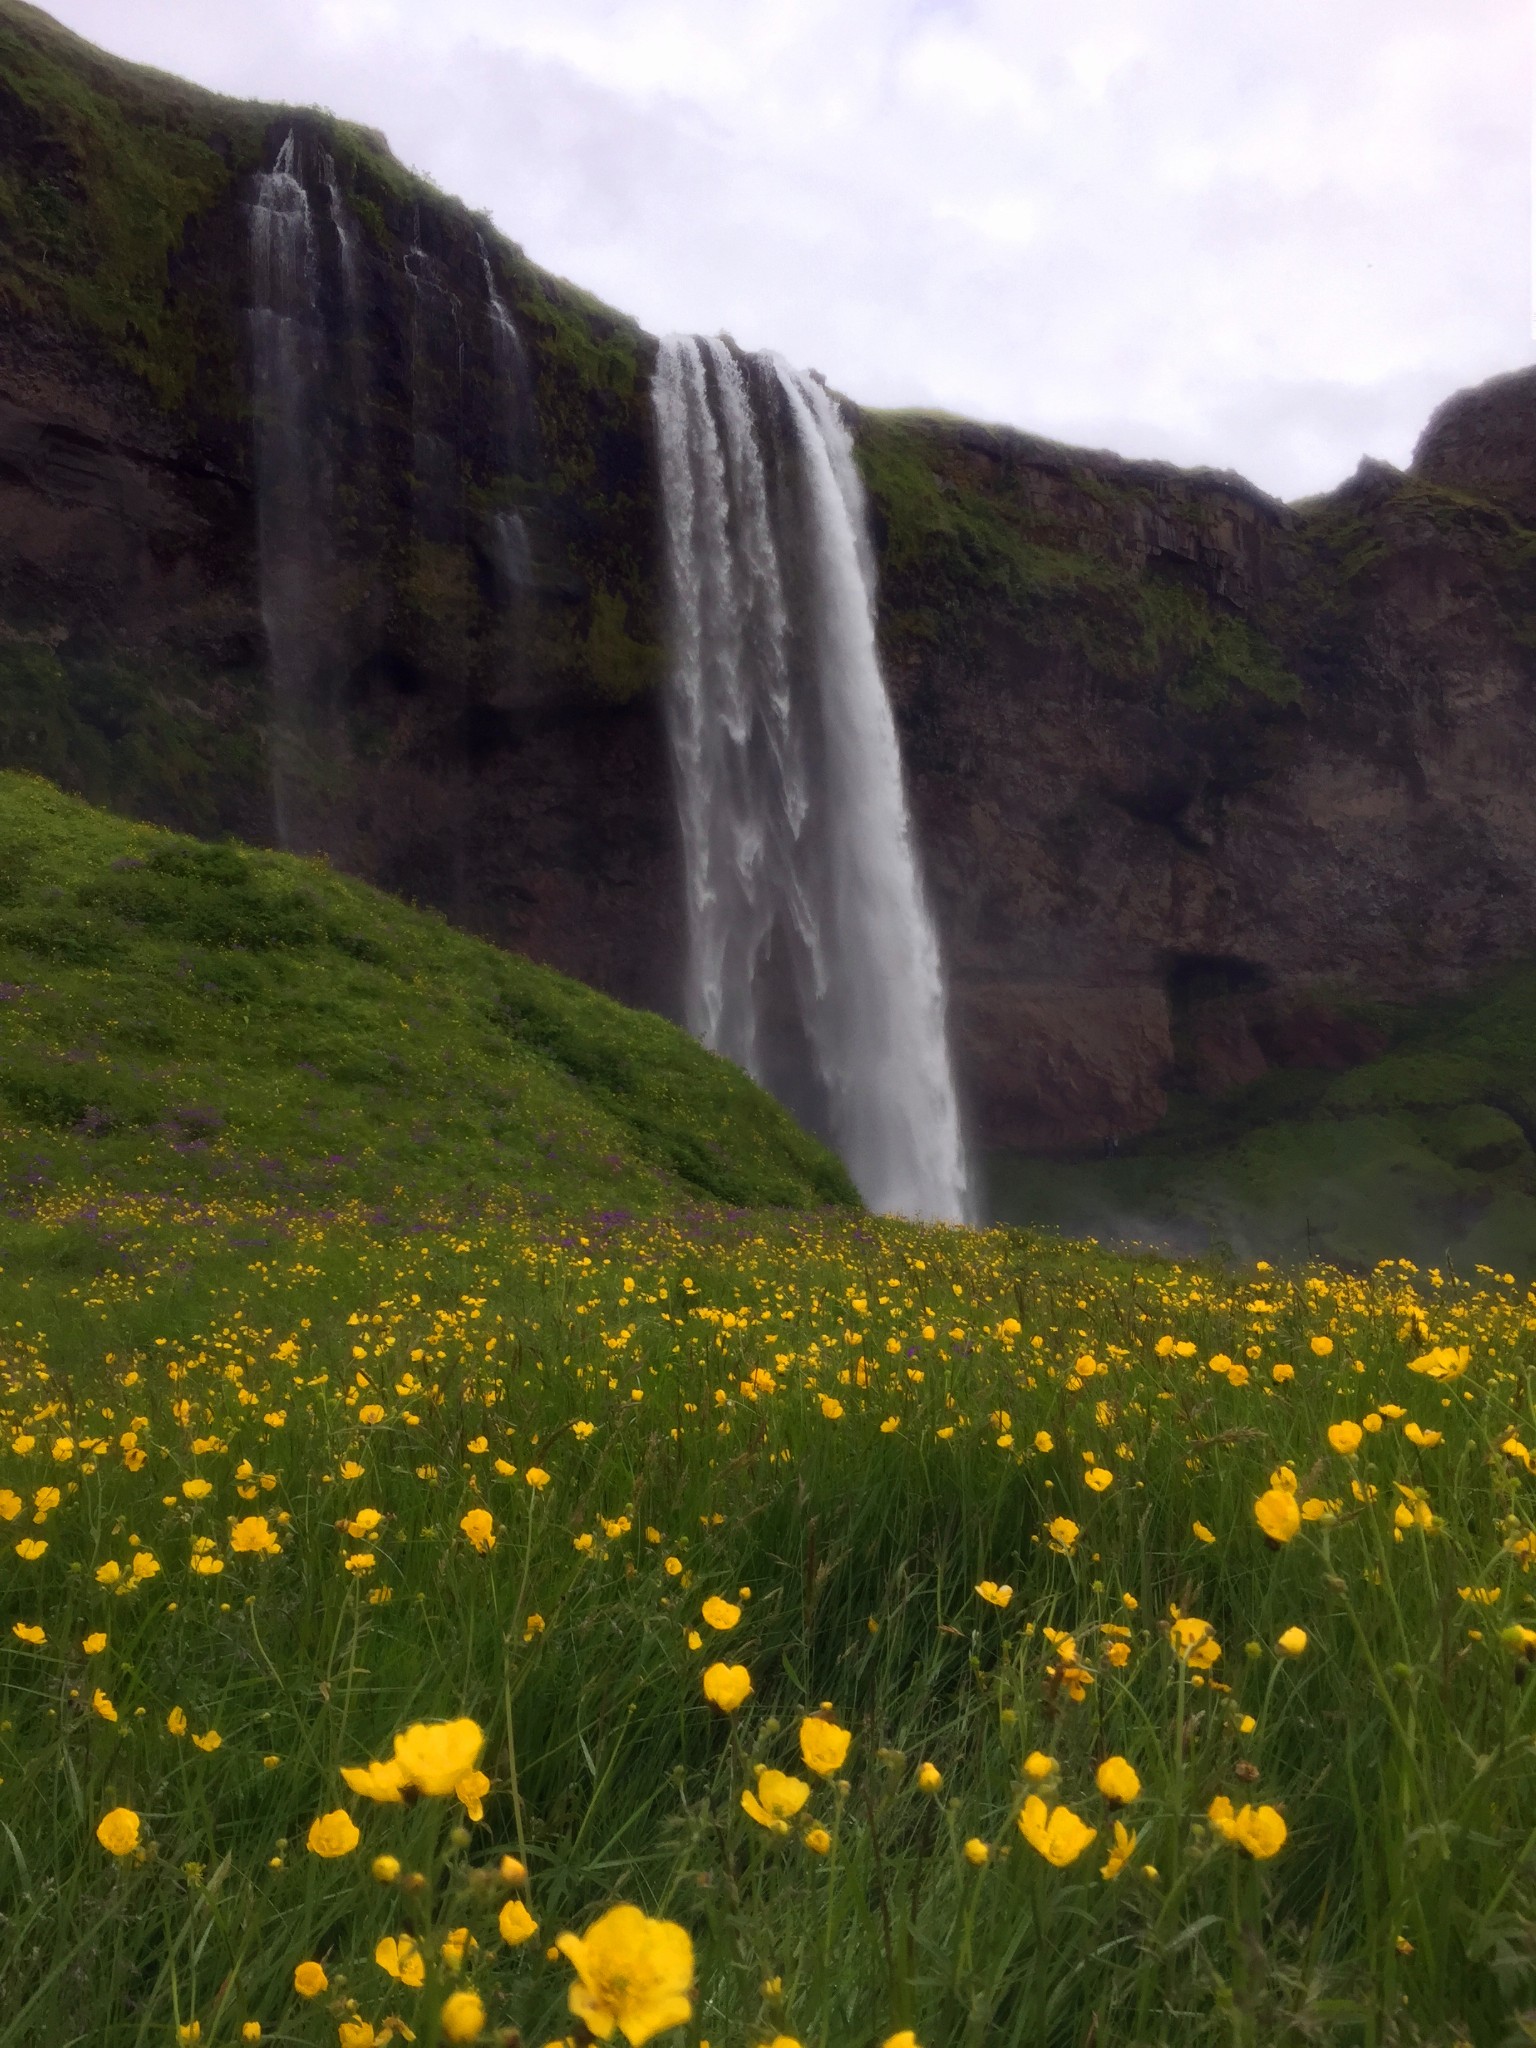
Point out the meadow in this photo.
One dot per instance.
(929, 1636)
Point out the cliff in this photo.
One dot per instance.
(1209, 788)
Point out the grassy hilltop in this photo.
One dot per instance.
(211, 1020)
(931, 1634)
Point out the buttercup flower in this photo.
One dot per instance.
(434, 1755)
(777, 1800)
(1039, 1766)
(929, 1777)
(383, 1783)
(118, 1831)
(1292, 1642)
(1117, 1780)
(1124, 1848)
(399, 1957)
(818, 1841)
(994, 1594)
(470, 1792)
(515, 1923)
(1063, 1532)
(333, 1834)
(252, 1535)
(1277, 1514)
(1345, 1437)
(720, 1614)
(1257, 1829)
(309, 1980)
(976, 1852)
(726, 1686)
(632, 1972)
(823, 1745)
(480, 1529)
(1056, 1833)
(462, 2017)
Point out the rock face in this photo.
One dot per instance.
(1199, 777)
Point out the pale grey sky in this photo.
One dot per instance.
(1270, 238)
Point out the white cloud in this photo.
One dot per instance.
(1268, 239)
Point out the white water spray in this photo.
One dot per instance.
(812, 960)
(291, 528)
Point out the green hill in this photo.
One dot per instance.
(213, 1019)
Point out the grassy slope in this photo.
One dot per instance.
(1422, 1152)
(174, 1014)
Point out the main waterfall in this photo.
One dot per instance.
(812, 959)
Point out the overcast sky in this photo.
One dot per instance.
(1267, 237)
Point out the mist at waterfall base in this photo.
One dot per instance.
(812, 959)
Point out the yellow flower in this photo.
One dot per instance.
(250, 2030)
(462, 2017)
(831, 1408)
(333, 1834)
(31, 1548)
(727, 1685)
(1206, 1535)
(1293, 1642)
(480, 1529)
(1345, 1437)
(976, 1852)
(905, 2039)
(818, 1841)
(777, 1800)
(358, 2033)
(1444, 1362)
(1277, 1514)
(109, 1573)
(400, 1958)
(1322, 1347)
(1193, 1642)
(994, 1594)
(251, 1535)
(537, 1477)
(1098, 1478)
(385, 1868)
(1044, 1441)
(189, 2032)
(470, 1792)
(95, 1643)
(929, 1777)
(1056, 1833)
(1118, 1781)
(383, 1783)
(118, 1831)
(515, 1923)
(1281, 1373)
(720, 1613)
(309, 1980)
(29, 1632)
(1123, 1849)
(1063, 1532)
(101, 1705)
(455, 1946)
(1038, 1766)
(1426, 1439)
(823, 1745)
(434, 1755)
(176, 1721)
(1257, 1829)
(632, 1973)
(210, 1742)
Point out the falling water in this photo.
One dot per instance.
(293, 532)
(812, 960)
(510, 362)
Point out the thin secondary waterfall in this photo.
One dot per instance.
(812, 960)
(292, 528)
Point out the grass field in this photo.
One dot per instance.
(413, 1554)
(799, 1447)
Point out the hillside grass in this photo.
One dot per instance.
(545, 1478)
(178, 1017)
(1422, 1152)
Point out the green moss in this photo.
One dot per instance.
(214, 1018)
(92, 225)
(619, 666)
(963, 546)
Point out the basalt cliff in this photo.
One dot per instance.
(1207, 786)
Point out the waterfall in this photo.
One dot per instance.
(291, 494)
(510, 362)
(812, 960)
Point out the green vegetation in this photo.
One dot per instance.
(179, 1015)
(1423, 1151)
(965, 542)
(1171, 1629)
(106, 167)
